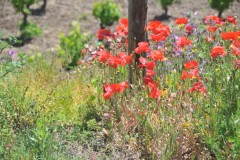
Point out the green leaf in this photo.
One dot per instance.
(26, 11)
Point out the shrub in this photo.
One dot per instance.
(72, 44)
(165, 4)
(28, 29)
(7, 63)
(23, 7)
(107, 11)
(3, 44)
(220, 5)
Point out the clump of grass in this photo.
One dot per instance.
(46, 94)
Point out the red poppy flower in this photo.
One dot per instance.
(144, 63)
(129, 59)
(120, 87)
(236, 49)
(147, 80)
(215, 19)
(158, 37)
(193, 73)
(104, 33)
(191, 64)
(181, 21)
(160, 31)
(183, 41)
(125, 59)
(210, 18)
(155, 93)
(157, 55)
(103, 55)
(198, 87)
(108, 91)
(142, 47)
(185, 75)
(122, 29)
(237, 36)
(114, 61)
(211, 28)
(122, 56)
(188, 28)
(152, 25)
(150, 65)
(150, 73)
(124, 22)
(228, 35)
(232, 19)
(218, 51)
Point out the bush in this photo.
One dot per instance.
(220, 5)
(3, 44)
(165, 4)
(23, 5)
(107, 11)
(29, 31)
(71, 45)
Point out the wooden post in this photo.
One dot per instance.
(137, 18)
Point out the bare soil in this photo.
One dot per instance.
(60, 13)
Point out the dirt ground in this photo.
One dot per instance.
(60, 13)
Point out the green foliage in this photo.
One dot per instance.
(220, 5)
(31, 112)
(222, 128)
(39, 141)
(71, 45)
(90, 114)
(9, 65)
(29, 31)
(23, 5)
(166, 3)
(107, 11)
(8, 43)
(3, 44)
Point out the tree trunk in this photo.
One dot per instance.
(102, 26)
(25, 22)
(220, 14)
(165, 10)
(25, 15)
(43, 7)
(137, 17)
